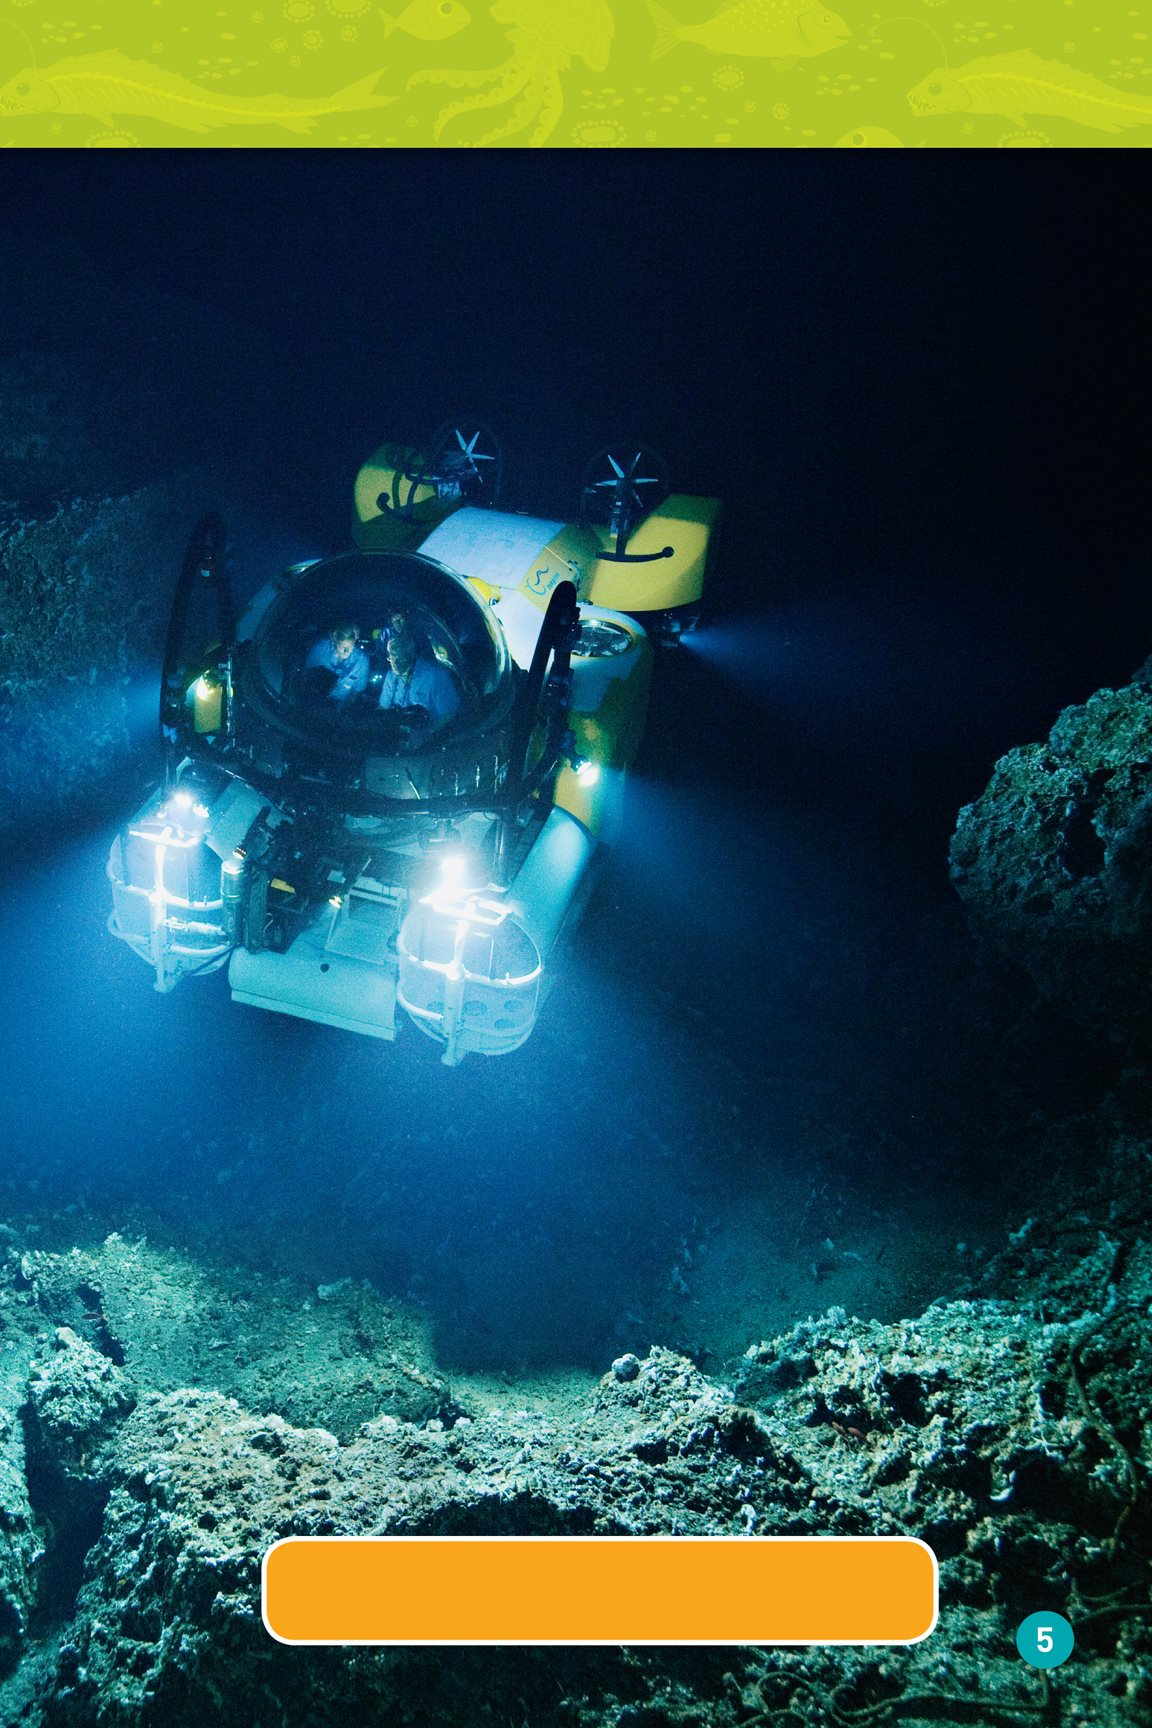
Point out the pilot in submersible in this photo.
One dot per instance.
(388, 779)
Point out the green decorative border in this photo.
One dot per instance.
(573, 74)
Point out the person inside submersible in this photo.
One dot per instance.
(417, 686)
(336, 669)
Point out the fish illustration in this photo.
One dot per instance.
(781, 31)
(1022, 83)
(432, 20)
(869, 138)
(106, 84)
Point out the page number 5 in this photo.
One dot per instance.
(1045, 1640)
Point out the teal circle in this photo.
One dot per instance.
(1045, 1640)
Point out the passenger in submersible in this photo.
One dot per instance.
(336, 669)
(419, 687)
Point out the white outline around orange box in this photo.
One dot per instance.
(676, 1547)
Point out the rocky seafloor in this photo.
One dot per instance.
(163, 1422)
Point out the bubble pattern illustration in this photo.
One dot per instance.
(574, 74)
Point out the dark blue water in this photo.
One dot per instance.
(915, 406)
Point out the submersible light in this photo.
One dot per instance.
(589, 772)
(462, 873)
(183, 804)
(453, 870)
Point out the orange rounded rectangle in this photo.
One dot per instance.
(600, 1590)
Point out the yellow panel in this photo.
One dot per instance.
(206, 700)
(610, 738)
(374, 530)
(569, 556)
(486, 591)
(687, 524)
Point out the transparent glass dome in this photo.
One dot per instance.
(446, 621)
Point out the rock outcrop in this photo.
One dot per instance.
(114, 438)
(1053, 862)
(1008, 1428)
(21, 1541)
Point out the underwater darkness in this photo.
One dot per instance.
(920, 389)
